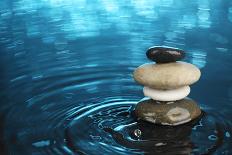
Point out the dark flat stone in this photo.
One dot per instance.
(164, 54)
(167, 113)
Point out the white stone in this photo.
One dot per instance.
(167, 95)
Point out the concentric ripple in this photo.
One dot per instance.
(90, 111)
(113, 128)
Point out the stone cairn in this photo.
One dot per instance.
(166, 83)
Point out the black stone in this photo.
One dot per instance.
(163, 54)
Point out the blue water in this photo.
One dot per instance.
(66, 82)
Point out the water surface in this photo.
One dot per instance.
(66, 82)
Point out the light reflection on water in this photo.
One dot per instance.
(66, 75)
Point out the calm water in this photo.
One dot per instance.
(66, 82)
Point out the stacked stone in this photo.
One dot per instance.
(166, 83)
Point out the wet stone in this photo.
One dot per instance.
(165, 113)
(163, 54)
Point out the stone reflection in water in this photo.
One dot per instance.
(156, 138)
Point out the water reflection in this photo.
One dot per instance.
(76, 18)
(203, 14)
(230, 14)
(199, 58)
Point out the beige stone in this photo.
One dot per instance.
(166, 113)
(167, 75)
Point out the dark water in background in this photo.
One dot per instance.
(66, 85)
